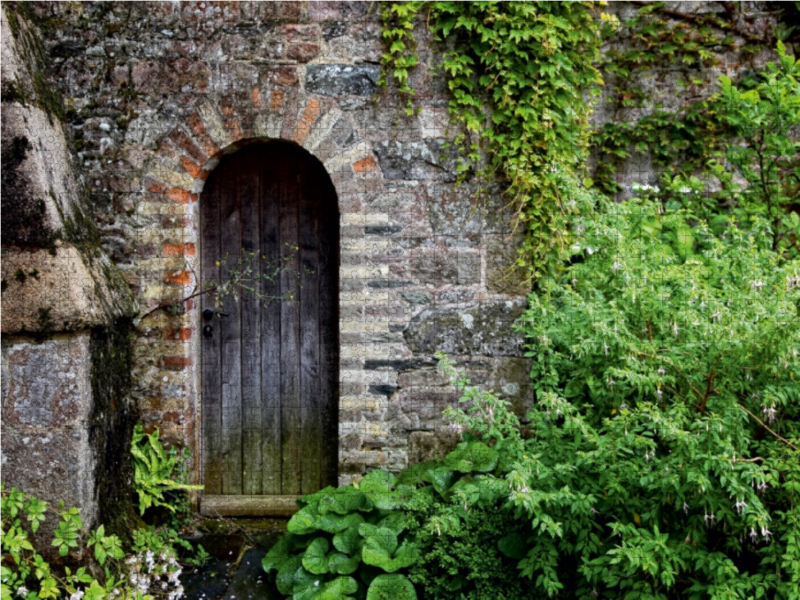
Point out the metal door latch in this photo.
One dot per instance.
(208, 314)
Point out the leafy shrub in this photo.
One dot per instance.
(752, 170)
(154, 473)
(664, 454)
(147, 570)
(467, 561)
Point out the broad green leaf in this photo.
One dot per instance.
(391, 587)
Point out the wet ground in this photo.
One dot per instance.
(234, 571)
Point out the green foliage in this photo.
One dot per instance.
(732, 155)
(664, 450)
(767, 155)
(146, 571)
(153, 471)
(661, 459)
(344, 531)
(528, 65)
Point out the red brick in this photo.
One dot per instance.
(180, 195)
(364, 165)
(154, 186)
(185, 143)
(176, 363)
(178, 249)
(195, 124)
(276, 99)
(255, 96)
(178, 277)
(177, 333)
(228, 109)
(191, 167)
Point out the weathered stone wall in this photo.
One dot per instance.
(66, 408)
(156, 92)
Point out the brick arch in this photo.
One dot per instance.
(191, 150)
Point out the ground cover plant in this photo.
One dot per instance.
(48, 553)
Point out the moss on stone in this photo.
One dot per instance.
(36, 61)
(111, 430)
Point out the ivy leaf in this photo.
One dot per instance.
(304, 521)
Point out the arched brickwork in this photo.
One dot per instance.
(175, 178)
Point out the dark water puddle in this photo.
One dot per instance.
(222, 578)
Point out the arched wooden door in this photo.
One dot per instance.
(269, 372)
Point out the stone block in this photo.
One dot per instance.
(483, 330)
(424, 160)
(429, 445)
(342, 80)
(503, 276)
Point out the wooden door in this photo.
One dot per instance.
(270, 370)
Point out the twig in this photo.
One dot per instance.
(177, 302)
(764, 425)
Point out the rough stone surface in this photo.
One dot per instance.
(342, 80)
(66, 410)
(482, 330)
(428, 445)
(423, 160)
(46, 448)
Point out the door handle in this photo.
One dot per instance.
(208, 331)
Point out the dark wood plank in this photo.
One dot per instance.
(230, 334)
(270, 329)
(311, 434)
(328, 223)
(211, 381)
(291, 423)
(248, 189)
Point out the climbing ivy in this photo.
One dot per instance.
(532, 65)
(523, 76)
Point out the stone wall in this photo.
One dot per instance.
(156, 92)
(66, 408)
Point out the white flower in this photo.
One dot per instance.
(77, 595)
(753, 534)
(709, 518)
(766, 533)
(685, 190)
(685, 508)
(740, 506)
(661, 371)
(769, 413)
(757, 284)
(616, 266)
(22, 591)
(675, 329)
